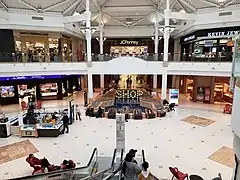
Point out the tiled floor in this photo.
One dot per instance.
(16, 150)
(224, 156)
(167, 142)
(199, 121)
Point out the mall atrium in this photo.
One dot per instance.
(102, 89)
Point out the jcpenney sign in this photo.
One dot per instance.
(123, 42)
(223, 33)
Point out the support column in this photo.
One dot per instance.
(155, 81)
(102, 81)
(164, 86)
(166, 33)
(88, 33)
(90, 87)
(101, 39)
(156, 41)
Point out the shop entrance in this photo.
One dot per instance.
(132, 81)
(129, 49)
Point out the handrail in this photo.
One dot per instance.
(101, 173)
(114, 157)
(57, 173)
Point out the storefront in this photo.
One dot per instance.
(209, 45)
(206, 89)
(16, 89)
(130, 46)
(45, 47)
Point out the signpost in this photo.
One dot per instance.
(120, 132)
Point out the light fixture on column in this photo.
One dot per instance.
(99, 39)
(83, 30)
(159, 38)
(166, 28)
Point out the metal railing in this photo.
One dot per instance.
(102, 174)
(46, 58)
(76, 173)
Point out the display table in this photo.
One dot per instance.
(28, 131)
(5, 129)
(49, 130)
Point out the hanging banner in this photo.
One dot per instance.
(174, 96)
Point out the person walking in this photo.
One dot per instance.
(65, 120)
(78, 110)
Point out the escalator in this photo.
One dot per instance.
(71, 174)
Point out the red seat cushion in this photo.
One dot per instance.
(178, 174)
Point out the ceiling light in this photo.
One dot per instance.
(182, 11)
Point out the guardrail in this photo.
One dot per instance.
(47, 58)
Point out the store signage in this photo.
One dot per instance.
(223, 33)
(189, 38)
(29, 77)
(126, 42)
(174, 96)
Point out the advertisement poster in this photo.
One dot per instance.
(207, 94)
(173, 96)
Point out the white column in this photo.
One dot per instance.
(88, 33)
(236, 146)
(156, 38)
(101, 38)
(155, 81)
(90, 86)
(102, 81)
(164, 86)
(166, 33)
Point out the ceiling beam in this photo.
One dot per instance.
(75, 4)
(28, 5)
(116, 20)
(230, 2)
(105, 3)
(173, 4)
(95, 3)
(142, 19)
(56, 5)
(76, 8)
(4, 5)
(211, 3)
(182, 6)
(190, 6)
(128, 8)
(74, 19)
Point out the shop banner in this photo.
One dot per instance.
(10, 78)
(174, 96)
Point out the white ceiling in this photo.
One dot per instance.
(116, 12)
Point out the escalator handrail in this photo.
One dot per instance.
(104, 171)
(114, 157)
(96, 175)
(60, 171)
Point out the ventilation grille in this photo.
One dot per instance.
(37, 18)
(225, 14)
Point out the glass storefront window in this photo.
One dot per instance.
(129, 49)
(49, 89)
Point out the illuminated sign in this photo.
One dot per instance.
(189, 38)
(126, 42)
(223, 33)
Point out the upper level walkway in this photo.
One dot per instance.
(106, 64)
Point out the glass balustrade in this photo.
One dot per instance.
(188, 57)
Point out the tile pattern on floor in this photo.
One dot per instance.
(16, 150)
(199, 121)
(224, 156)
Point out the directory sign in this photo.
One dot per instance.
(174, 96)
(120, 132)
